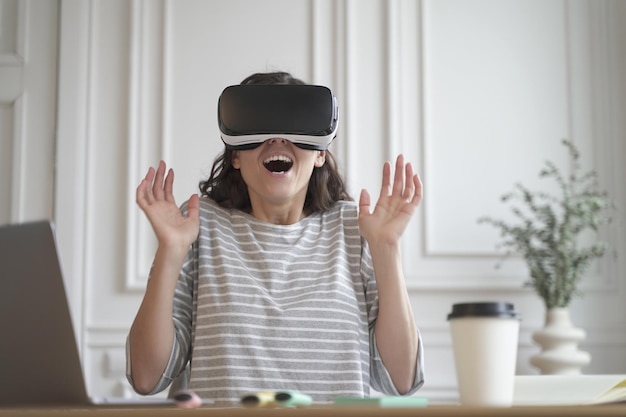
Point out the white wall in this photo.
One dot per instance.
(27, 103)
(477, 94)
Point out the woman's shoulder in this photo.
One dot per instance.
(207, 206)
(346, 206)
(343, 209)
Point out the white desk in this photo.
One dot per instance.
(561, 389)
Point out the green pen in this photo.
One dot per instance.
(382, 402)
(293, 399)
(401, 402)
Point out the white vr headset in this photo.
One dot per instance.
(306, 115)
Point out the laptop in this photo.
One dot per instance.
(39, 358)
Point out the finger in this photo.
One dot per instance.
(157, 185)
(193, 207)
(364, 202)
(409, 187)
(385, 188)
(398, 180)
(419, 190)
(144, 191)
(169, 186)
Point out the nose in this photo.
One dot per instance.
(272, 141)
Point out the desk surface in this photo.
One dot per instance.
(438, 411)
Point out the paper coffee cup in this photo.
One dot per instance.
(484, 342)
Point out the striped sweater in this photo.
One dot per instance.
(271, 307)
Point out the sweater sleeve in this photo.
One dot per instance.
(380, 378)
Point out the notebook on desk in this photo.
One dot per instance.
(39, 357)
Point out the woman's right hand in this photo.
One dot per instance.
(156, 199)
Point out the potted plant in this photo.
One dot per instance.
(548, 235)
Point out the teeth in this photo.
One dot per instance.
(272, 158)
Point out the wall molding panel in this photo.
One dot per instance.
(145, 127)
(13, 136)
(14, 67)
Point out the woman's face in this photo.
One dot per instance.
(277, 173)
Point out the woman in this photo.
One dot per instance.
(274, 279)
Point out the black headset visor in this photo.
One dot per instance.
(306, 115)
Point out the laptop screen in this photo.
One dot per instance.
(39, 359)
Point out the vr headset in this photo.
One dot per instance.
(306, 115)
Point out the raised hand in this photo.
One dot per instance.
(396, 204)
(154, 196)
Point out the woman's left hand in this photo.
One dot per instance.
(395, 207)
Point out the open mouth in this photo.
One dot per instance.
(278, 164)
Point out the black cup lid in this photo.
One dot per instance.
(485, 309)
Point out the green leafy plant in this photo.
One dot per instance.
(547, 234)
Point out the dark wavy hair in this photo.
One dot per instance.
(228, 189)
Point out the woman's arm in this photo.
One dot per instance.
(151, 336)
(395, 329)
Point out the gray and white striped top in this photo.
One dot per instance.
(271, 307)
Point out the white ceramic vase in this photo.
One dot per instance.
(559, 345)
